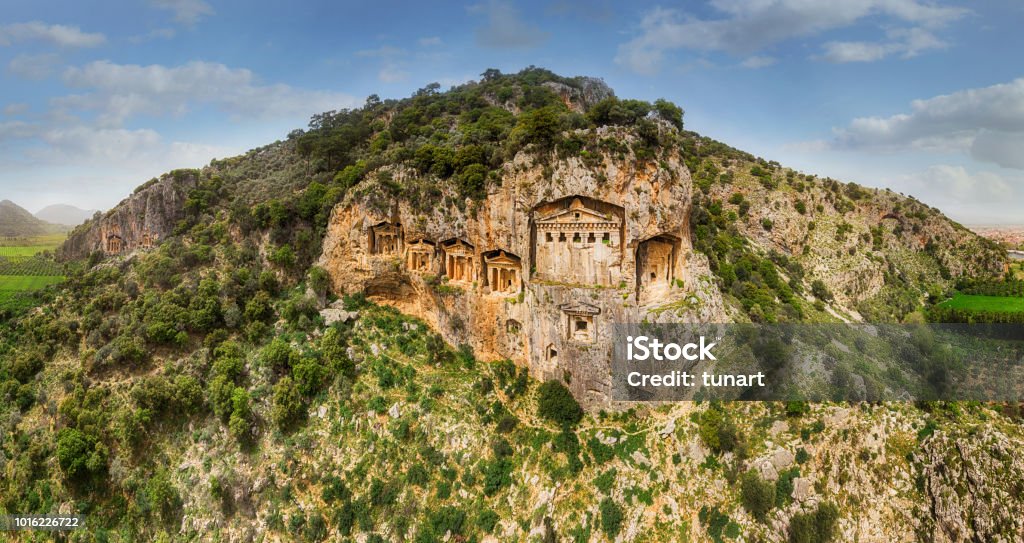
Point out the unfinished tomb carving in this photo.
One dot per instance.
(578, 240)
(656, 265)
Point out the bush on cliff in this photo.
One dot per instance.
(555, 403)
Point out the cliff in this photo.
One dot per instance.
(569, 283)
(137, 222)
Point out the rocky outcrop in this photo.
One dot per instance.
(584, 225)
(139, 221)
(974, 483)
(586, 92)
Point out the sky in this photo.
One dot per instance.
(922, 96)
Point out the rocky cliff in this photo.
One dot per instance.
(558, 315)
(139, 221)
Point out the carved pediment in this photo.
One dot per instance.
(580, 308)
(502, 259)
(386, 229)
(458, 247)
(576, 213)
(420, 245)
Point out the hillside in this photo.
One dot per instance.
(379, 329)
(16, 222)
(64, 214)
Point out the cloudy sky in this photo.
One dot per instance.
(923, 96)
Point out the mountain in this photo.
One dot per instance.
(15, 221)
(396, 325)
(64, 214)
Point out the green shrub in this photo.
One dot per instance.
(611, 517)
(818, 526)
(288, 406)
(556, 403)
(79, 454)
(497, 475)
(757, 495)
(487, 520)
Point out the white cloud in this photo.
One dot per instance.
(16, 130)
(747, 26)
(187, 12)
(978, 197)
(18, 108)
(120, 91)
(905, 42)
(61, 35)
(758, 61)
(34, 67)
(505, 27)
(430, 41)
(855, 51)
(96, 167)
(986, 122)
(155, 34)
(392, 74)
(384, 51)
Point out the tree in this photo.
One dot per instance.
(288, 406)
(79, 454)
(279, 355)
(669, 112)
(555, 403)
(540, 127)
(818, 526)
(611, 518)
(334, 350)
(757, 495)
(240, 422)
(821, 291)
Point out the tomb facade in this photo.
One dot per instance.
(419, 256)
(502, 271)
(580, 323)
(459, 261)
(577, 240)
(385, 239)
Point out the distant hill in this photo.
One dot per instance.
(65, 214)
(16, 221)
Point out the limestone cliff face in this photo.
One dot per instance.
(542, 269)
(139, 221)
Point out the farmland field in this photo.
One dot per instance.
(1008, 304)
(25, 267)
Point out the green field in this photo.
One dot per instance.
(30, 246)
(24, 269)
(968, 302)
(27, 282)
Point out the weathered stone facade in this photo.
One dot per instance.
(543, 269)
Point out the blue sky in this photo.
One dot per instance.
(925, 97)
